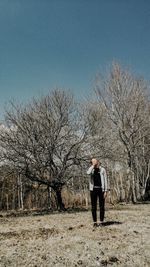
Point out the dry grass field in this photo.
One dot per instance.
(69, 239)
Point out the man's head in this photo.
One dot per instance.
(94, 162)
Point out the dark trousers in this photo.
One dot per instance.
(97, 194)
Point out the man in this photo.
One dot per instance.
(98, 189)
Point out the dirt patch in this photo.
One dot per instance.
(69, 239)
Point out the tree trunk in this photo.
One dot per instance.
(131, 165)
(7, 202)
(13, 197)
(21, 194)
(2, 194)
(49, 197)
(133, 198)
(18, 191)
(60, 204)
(146, 180)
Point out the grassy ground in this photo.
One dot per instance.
(69, 239)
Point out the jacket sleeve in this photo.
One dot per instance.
(89, 171)
(105, 181)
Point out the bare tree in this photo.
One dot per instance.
(43, 140)
(102, 140)
(124, 97)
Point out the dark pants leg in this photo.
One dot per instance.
(97, 193)
(101, 205)
(94, 205)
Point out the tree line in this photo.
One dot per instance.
(48, 143)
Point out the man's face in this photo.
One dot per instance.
(94, 162)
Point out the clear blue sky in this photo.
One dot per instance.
(46, 44)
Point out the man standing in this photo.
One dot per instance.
(98, 189)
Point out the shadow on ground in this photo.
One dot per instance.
(110, 223)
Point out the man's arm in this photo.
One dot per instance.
(105, 184)
(89, 171)
(105, 181)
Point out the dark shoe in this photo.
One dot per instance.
(95, 224)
